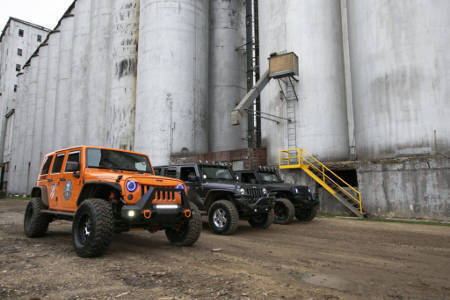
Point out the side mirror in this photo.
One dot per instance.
(193, 178)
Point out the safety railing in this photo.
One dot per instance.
(299, 158)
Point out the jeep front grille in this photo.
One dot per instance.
(162, 194)
(255, 192)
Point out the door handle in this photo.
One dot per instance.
(49, 180)
(62, 179)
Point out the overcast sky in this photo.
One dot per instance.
(41, 12)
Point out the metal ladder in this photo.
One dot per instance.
(288, 94)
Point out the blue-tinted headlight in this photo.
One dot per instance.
(131, 186)
(179, 187)
(296, 190)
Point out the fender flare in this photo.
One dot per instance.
(91, 184)
(40, 192)
(213, 191)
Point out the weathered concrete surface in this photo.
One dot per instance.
(414, 188)
(400, 76)
(312, 29)
(401, 188)
(227, 74)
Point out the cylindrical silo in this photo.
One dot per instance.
(172, 86)
(79, 105)
(99, 68)
(40, 114)
(30, 119)
(120, 109)
(48, 136)
(16, 165)
(63, 89)
(227, 73)
(400, 62)
(311, 29)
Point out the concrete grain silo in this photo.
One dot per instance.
(311, 29)
(227, 73)
(39, 113)
(120, 109)
(172, 84)
(400, 76)
(80, 72)
(64, 86)
(98, 72)
(47, 135)
(31, 98)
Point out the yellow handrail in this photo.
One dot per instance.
(303, 162)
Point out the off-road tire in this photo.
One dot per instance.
(284, 211)
(306, 215)
(262, 221)
(189, 232)
(92, 228)
(35, 223)
(226, 211)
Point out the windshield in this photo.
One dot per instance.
(216, 172)
(117, 160)
(270, 177)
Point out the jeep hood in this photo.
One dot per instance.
(139, 178)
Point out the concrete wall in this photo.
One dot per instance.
(410, 188)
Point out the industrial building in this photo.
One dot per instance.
(18, 41)
(371, 98)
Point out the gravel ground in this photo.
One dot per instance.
(328, 258)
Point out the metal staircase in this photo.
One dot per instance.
(297, 158)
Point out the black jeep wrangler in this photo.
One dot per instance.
(217, 193)
(290, 199)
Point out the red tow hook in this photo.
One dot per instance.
(147, 213)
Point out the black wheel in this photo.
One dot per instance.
(306, 214)
(92, 228)
(35, 223)
(223, 217)
(262, 221)
(284, 211)
(189, 232)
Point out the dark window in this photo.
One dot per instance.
(46, 167)
(73, 162)
(248, 177)
(119, 160)
(18, 67)
(21, 32)
(15, 88)
(186, 172)
(39, 38)
(58, 163)
(170, 173)
(19, 51)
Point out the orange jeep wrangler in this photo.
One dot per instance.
(104, 191)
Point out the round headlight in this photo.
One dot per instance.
(242, 191)
(179, 187)
(309, 190)
(131, 186)
(264, 191)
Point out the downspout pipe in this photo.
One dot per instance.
(348, 81)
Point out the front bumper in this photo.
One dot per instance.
(306, 202)
(144, 212)
(258, 206)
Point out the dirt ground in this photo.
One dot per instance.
(329, 258)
